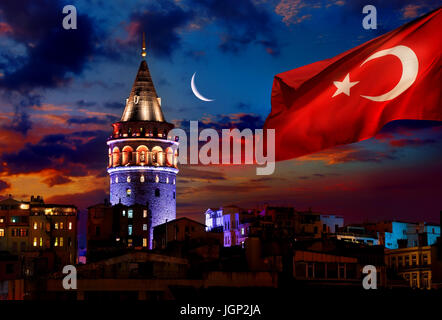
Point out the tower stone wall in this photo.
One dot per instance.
(142, 161)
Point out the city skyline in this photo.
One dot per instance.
(55, 118)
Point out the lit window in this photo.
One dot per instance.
(70, 225)
(41, 242)
(145, 213)
(157, 179)
(56, 242)
(35, 226)
(142, 179)
(144, 242)
(242, 231)
(56, 226)
(35, 241)
(14, 219)
(129, 242)
(173, 181)
(124, 213)
(24, 206)
(116, 180)
(128, 192)
(61, 241)
(144, 227)
(129, 229)
(167, 180)
(2, 220)
(128, 179)
(61, 225)
(130, 213)
(2, 232)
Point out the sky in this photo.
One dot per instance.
(60, 90)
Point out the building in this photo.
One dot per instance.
(36, 226)
(142, 160)
(357, 234)
(181, 230)
(331, 223)
(400, 234)
(113, 228)
(413, 264)
(284, 222)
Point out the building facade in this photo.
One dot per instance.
(413, 264)
(180, 230)
(142, 160)
(118, 227)
(400, 234)
(35, 226)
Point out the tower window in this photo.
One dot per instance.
(128, 179)
(174, 195)
(116, 179)
(167, 180)
(128, 192)
(157, 179)
(142, 179)
(157, 192)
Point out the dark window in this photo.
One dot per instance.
(157, 192)
(97, 231)
(9, 268)
(174, 194)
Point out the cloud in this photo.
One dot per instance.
(81, 200)
(83, 103)
(4, 185)
(92, 120)
(162, 21)
(244, 23)
(20, 123)
(289, 10)
(411, 142)
(56, 180)
(348, 153)
(52, 54)
(74, 154)
(186, 172)
(411, 11)
(115, 105)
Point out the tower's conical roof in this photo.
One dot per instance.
(143, 103)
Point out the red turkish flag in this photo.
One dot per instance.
(352, 96)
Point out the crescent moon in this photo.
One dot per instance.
(410, 67)
(196, 92)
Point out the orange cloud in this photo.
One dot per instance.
(411, 11)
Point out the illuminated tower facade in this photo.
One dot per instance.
(142, 160)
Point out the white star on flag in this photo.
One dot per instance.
(344, 86)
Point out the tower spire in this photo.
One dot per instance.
(143, 48)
